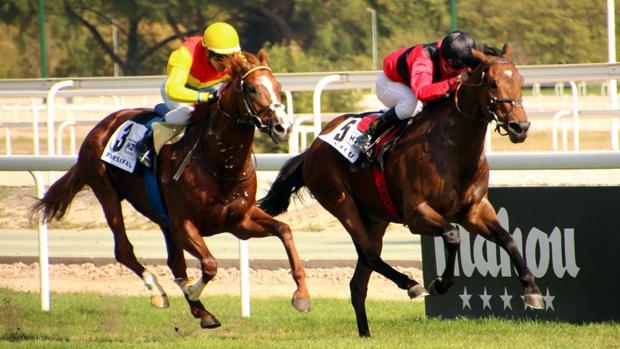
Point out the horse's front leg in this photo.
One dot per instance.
(260, 224)
(482, 220)
(423, 219)
(190, 239)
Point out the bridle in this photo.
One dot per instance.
(249, 116)
(491, 101)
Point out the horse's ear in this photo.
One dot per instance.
(233, 63)
(481, 57)
(262, 57)
(507, 50)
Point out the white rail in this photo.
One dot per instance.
(317, 82)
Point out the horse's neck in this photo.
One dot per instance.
(226, 146)
(466, 130)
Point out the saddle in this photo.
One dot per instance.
(384, 142)
(380, 147)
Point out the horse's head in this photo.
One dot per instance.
(253, 96)
(503, 91)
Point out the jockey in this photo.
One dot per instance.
(195, 73)
(423, 73)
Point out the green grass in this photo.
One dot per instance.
(96, 321)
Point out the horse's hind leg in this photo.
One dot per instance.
(340, 204)
(361, 276)
(483, 221)
(123, 249)
(189, 239)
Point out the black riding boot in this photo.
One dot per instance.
(364, 142)
(144, 149)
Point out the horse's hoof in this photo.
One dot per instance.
(160, 301)
(301, 304)
(432, 287)
(439, 286)
(534, 301)
(209, 321)
(417, 291)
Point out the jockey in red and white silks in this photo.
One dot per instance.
(423, 73)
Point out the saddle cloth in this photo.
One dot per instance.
(120, 149)
(343, 136)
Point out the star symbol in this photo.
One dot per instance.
(465, 298)
(525, 306)
(548, 300)
(486, 299)
(506, 299)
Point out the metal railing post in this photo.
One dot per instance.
(244, 275)
(575, 95)
(44, 280)
(316, 99)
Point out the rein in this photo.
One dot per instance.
(492, 101)
(252, 119)
(251, 114)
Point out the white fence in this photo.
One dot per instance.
(574, 74)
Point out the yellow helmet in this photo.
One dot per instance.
(221, 38)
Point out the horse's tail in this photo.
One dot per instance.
(289, 181)
(57, 199)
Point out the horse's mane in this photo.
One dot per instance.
(487, 50)
(237, 65)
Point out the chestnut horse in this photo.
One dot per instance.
(436, 173)
(215, 192)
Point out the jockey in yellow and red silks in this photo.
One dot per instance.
(195, 70)
(195, 74)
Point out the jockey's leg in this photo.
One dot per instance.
(179, 116)
(143, 148)
(402, 102)
(178, 113)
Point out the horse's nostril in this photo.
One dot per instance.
(279, 129)
(519, 127)
(525, 126)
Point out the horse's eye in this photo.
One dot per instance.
(252, 89)
(492, 84)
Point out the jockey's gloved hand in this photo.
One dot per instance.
(458, 80)
(462, 77)
(213, 96)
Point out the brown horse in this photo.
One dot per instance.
(215, 192)
(436, 173)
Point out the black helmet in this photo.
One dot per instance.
(456, 48)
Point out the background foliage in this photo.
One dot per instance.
(301, 35)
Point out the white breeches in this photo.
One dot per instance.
(179, 113)
(398, 95)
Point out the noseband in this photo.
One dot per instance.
(250, 117)
(492, 101)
